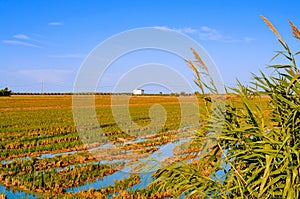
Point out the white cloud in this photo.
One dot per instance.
(69, 55)
(248, 39)
(15, 42)
(205, 28)
(162, 28)
(206, 33)
(25, 37)
(39, 35)
(46, 75)
(188, 30)
(183, 30)
(55, 23)
(21, 36)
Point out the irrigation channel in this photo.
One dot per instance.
(162, 153)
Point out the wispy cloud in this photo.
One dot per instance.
(248, 39)
(162, 28)
(25, 37)
(55, 23)
(206, 33)
(69, 55)
(16, 42)
(46, 75)
(21, 36)
(188, 30)
(39, 35)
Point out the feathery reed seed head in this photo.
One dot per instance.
(199, 60)
(273, 29)
(295, 30)
(191, 65)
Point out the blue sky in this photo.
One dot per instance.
(47, 41)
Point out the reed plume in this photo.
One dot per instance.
(199, 60)
(273, 29)
(295, 30)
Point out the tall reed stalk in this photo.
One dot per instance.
(256, 154)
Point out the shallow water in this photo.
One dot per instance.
(100, 183)
(51, 155)
(145, 180)
(152, 160)
(11, 194)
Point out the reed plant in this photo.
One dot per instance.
(256, 152)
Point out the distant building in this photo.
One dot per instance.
(138, 91)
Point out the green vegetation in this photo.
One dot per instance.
(41, 151)
(254, 152)
(247, 147)
(44, 124)
(5, 92)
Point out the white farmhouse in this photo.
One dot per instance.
(138, 91)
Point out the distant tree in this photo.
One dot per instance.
(5, 92)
